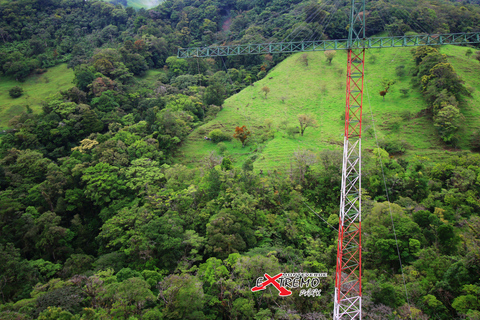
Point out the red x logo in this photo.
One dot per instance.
(283, 292)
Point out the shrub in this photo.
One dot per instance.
(218, 135)
(292, 131)
(392, 146)
(15, 92)
(222, 147)
(405, 91)
(400, 71)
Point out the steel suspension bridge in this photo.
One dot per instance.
(348, 275)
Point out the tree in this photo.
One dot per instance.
(421, 52)
(106, 102)
(330, 54)
(447, 122)
(306, 120)
(183, 297)
(214, 94)
(224, 233)
(136, 64)
(15, 92)
(49, 236)
(83, 77)
(143, 173)
(130, 296)
(469, 53)
(242, 134)
(103, 183)
(266, 90)
(15, 272)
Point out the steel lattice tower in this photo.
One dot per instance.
(348, 276)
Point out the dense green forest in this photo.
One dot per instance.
(99, 218)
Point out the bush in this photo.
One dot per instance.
(292, 131)
(218, 135)
(184, 81)
(15, 92)
(405, 91)
(392, 146)
(400, 71)
(222, 147)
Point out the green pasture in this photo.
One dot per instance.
(151, 75)
(147, 4)
(319, 89)
(35, 89)
(137, 4)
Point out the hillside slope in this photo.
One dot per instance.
(137, 4)
(36, 89)
(319, 89)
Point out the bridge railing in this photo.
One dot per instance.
(323, 45)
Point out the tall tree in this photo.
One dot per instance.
(242, 134)
(306, 120)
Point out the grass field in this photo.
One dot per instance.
(319, 89)
(36, 88)
(137, 4)
(150, 75)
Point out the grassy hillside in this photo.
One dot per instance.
(319, 89)
(36, 88)
(137, 4)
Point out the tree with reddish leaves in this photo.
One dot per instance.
(242, 134)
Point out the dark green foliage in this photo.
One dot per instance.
(392, 145)
(386, 295)
(83, 78)
(69, 298)
(127, 273)
(226, 164)
(77, 264)
(15, 273)
(183, 297)
(214, 94)
(136, 64)
(15, 92)
(218, 135)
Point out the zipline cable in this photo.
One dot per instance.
(388, 201)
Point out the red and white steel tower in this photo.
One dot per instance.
(348, 276)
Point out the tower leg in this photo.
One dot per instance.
(348, 275)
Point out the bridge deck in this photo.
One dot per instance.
(323, 45)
